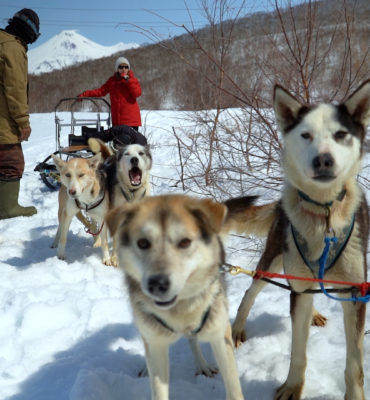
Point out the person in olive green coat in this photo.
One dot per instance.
(15, 128)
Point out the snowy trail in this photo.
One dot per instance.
(66, 330)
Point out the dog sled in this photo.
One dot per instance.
(72, 132)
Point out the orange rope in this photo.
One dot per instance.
(364, 287)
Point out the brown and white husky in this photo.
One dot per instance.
(323, 149)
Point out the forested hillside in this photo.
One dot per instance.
(318, 49)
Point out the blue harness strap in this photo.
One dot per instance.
(333, 254)
(323, 259)
(332, 250)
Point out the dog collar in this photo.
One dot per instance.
(305, 197)
(132, 191)
(193, 332)
(90, 206)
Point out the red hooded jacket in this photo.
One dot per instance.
(123, 94)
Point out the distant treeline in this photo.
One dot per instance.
(182, 74)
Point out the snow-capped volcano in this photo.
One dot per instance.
(68, 48)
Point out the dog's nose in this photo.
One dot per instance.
(158, 284)
(134, 161)
(72, 192)
(322, 162)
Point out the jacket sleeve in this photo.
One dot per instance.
(132, 84)
(15, 84)
(100, 92)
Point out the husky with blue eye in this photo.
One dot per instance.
(323, 149)
(171, 254)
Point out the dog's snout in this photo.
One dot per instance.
(158, 284)
(72, 192)
(134, 161)
(323, 161)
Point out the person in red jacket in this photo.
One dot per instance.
(123, 88)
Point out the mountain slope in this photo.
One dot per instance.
(68, 48)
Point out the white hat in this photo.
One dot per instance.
(121, 60)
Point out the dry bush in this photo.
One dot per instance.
(233, 153)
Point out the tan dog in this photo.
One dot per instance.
(323, 148)
(171, 253)
(83, 188)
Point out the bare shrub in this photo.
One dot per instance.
(233, 152)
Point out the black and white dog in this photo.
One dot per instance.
(323, 149)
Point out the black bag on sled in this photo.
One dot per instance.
(121, 135)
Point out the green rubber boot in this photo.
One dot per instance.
(9, 207)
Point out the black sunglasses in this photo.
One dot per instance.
(123, 66)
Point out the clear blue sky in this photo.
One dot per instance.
(112, 21)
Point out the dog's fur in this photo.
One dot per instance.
(323, 147)
(171, 253)
(128, 172)
(83, 188)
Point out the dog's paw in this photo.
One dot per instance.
(318, 319)
(239, 336)
(114, 261)
(207, 370)
(285, 392)
(110, 261)
(107, 261)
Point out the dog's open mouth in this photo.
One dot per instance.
(135, 176)
(324, 178)
(166, 303)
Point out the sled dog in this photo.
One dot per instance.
(323, 147)
(128, 173)
(83, 189)
(171, 253)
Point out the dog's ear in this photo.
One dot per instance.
(358, 104)
(210, 213)
(59, 163)
(286, 108)
(95, 161)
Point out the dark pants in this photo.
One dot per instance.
(11, 162)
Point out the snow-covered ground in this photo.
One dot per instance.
(66, 330)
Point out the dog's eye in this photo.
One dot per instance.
(68, 175)
(143, 244)
(184, 243)
(306, 136)
(81, 175)
(141, 153)
(340, 135)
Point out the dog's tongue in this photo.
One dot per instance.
(135, 177)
